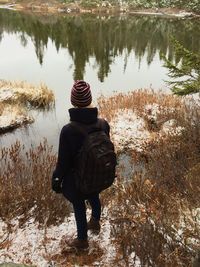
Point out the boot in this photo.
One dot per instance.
(78, 244)
(94, 225)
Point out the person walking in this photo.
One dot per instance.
(70, 142)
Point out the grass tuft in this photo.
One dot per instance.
(17, 98)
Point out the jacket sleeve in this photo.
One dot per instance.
(64, 164)
(106, 128)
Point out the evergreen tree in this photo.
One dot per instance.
(185, 75)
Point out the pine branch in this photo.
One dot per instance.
(190, 88)
(186, 74)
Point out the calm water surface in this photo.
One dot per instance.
(114, 54)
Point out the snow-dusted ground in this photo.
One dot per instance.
(44, 247)
(129, 131)
(12, 117)
(39, 247)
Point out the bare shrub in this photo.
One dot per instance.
(25, 185)
(153, 226)
(159, 211)
(155, 214)
(169, 158)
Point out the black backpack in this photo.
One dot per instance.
(96, 160)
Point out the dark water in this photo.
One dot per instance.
(114, 54)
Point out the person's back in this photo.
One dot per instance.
(71, 141)
(96, 159)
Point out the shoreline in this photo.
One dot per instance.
(17, 99)
(52, 8)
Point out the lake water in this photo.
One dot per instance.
(114, 54)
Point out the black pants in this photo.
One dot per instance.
(80, 214)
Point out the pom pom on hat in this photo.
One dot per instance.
(80, 94)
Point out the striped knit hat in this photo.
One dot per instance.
(80, 94)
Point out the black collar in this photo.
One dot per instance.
(83, 115)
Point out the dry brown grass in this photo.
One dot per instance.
(16, 98)
(137, 100)
(156, 224)
(25, 185)
(155, 216)
(2, 2)
(147, 224)
(2, 107)
(28, 94)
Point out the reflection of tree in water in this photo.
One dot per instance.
(103, 38)
(23, 39)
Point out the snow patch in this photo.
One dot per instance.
(36, 246)
(129, 130)
(169, 127)
(6, 94)
(12, 117)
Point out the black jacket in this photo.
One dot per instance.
(71, 140)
